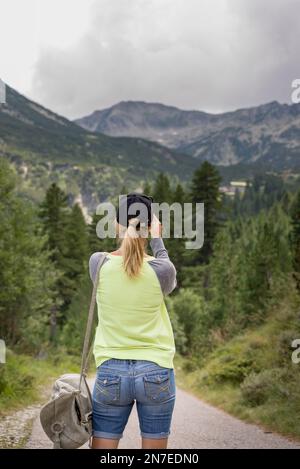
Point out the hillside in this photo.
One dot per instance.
(46, 147)
(252, 376)
(268, 134)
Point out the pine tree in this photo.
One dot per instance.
(75, 255)
(205, 189)
(78, 240)
(176, 246)
(93, 240)
(53, 214)
(162, 189)
(97, 244)
(179, 194)
(124, 190)
(147, 189)
(27, 275)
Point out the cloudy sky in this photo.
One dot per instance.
(75, 56)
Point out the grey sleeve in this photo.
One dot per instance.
(163, 267)
(93, 263)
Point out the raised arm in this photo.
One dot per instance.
(163, 266)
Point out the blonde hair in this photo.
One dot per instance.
(133, 246)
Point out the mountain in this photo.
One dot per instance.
(46, 147)
(268, 134)
(30, 127)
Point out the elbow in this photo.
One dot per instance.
(172, 284)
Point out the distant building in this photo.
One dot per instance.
(227, 190)
(234, 187)
(238, 183)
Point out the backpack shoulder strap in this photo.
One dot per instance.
(85, 355)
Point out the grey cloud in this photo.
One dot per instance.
(237, 53)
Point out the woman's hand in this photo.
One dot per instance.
(156, 227)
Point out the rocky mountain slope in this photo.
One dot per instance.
(28, 127)
(269, 133)
(46, 147)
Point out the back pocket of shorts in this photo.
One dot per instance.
(157, 386)
(107, 389)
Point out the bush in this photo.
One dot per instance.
(191, 311)
(179, 335)
(190, 365)
(15, 376)
(22, 377)
(72, 334)
(257, 388)
(231, 369)
(231, 363)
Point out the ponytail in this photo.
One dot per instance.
(133, 248)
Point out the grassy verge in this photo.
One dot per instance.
(252, 376)
(23, 378)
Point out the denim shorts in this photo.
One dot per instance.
(119, 383)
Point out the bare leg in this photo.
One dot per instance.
(152, 443)
(104, 443)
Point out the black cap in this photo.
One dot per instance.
(145, 216)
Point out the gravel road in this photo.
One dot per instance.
(195, 425)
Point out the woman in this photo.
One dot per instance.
(134, 343)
